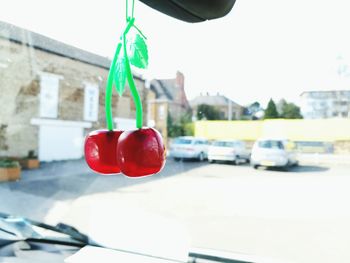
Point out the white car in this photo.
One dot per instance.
(188, 147)
(228, 150)
(273, 153)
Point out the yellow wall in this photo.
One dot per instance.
(296, 130)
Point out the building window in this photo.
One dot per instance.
(91, 102)
(49, 86)
(322, 104)
(161, 112)
(222, 115)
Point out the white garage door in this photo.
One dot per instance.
(60, 143)
(61, 140)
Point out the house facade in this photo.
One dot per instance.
(325, 104)
(52, 95)
(229, 110)
(170, 101)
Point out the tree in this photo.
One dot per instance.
(280, 105)
(288, 110)
(173, 129)
(253, 111)
(208, 112)
(183, 127)
(291, 111)
(271, 110)
(255, 106)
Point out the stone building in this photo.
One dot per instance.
(170, 100)
(52, 95)
(325, 104)
(228, 109)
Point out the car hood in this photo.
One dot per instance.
(128, 227)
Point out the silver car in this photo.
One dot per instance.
(228, 150)
(273, 153)
(188, 147)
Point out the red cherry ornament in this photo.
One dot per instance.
(100, 151)
(140, 152)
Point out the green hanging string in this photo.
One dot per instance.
(132, 8)
(120, 69)
(134, 92)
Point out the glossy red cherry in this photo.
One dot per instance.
(140, 152)
(100, 151)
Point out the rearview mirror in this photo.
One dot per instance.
(192, 10)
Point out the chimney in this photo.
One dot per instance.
(180, 79)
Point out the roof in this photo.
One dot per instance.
(228, 140)
(323, 91)
(170, 90)
(29, 38)
(190, 138)
(213, 100)
(164, 89)
(38, 41)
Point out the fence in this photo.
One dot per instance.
(324, 130)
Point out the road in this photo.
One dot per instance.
(296, 216)
(65, 181)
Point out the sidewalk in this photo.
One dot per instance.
(320, 158)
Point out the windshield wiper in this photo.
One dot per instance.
(195, 256)
(16, 226)
(14, 229)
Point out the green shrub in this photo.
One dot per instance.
(7, 163)
(31, 155)
(189, 129)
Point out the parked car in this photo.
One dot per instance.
(228, 150)
(188, 147)
(273, 153)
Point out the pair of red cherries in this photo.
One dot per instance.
(135, 153)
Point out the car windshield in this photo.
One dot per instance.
(182, 141)
(161, 137)
(224, 144)
(271, 144)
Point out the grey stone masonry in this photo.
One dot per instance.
(24, 55)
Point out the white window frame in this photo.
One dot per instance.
(49, 95)
(91, 102)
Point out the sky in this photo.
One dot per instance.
(262, 49)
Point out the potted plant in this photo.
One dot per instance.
(30, 162)
(10, 170)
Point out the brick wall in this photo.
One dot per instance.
(20, 89)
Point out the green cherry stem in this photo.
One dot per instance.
(110, 79)
(109, 90)
(134, 92)
(126, 10)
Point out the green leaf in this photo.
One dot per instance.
(137, 51)
(120, 74)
